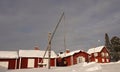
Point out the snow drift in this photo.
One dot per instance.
(2, 69)
(82, 67)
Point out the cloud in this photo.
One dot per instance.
(23, 22)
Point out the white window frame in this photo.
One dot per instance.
(103, 60)
(95, 54)
(31, 63)
(96, 60)
(106, 54)
(102, 54)
(107, 60)
(80, 59)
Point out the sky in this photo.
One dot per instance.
(26, 23)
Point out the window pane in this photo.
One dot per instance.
(96, 60)
(95, 54)
(102, 54)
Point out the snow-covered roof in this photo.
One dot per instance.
(8, 54)
(97, 49)
(35, 53)
(69, 54)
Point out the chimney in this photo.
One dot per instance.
(67, 51)
(36, 48)
(61, 52)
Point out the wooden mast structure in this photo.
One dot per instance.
(49, 49)
(65, 47)
(51, 37)
(49, 42)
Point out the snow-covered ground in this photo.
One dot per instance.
(82, 67)
(3, 69)
(111, 67)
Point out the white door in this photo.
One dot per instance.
(4, 64)
(31, 63)
(80, 59)
(45, 61)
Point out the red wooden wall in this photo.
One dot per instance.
(85, 55)
(11, 63)
(99, 57)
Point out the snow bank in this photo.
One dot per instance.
(92, 66)
(107, 63)
(118, 61)
(82, 67)
(87, 64)
(112, 67)
(3, 69)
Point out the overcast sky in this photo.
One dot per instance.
(26, 23)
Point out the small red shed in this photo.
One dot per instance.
(99, 54)
(70, 58)
(8, 59)
(32, 58)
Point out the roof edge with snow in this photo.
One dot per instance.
(8, 54)
(35, 53)
(96, 49)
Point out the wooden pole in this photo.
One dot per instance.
(64, 34)
(50, 39)
(49, 50)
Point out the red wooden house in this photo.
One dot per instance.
(71, 58)
(32, 58)
(99, 54)
(8, 59)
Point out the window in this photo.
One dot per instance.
(30, 62)
(102, 54)
(103, 60)
(106, 54)
(96, 60)
(95, 54)
(80, 59)
(107, 60)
